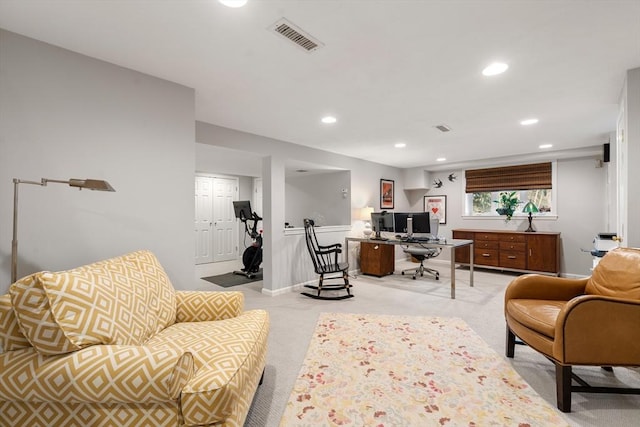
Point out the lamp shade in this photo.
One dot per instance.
(365, 213)
(91, 184)
(530, 208)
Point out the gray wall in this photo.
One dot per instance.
(318, 197)
(65, 115)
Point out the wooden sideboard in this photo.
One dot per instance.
(377, 259)
(537, 252)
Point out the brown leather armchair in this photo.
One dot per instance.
(591, 321)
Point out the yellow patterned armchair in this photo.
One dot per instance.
(113, 344)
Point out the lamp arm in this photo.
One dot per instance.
(45, 181)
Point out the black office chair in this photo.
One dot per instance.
(325, 261)
(422, 254)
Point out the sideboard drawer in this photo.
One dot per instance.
(508, 246)
(488, 236)
(487, 244)
(486, 257)
(513, 238)
(513, 259)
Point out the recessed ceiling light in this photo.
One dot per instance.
(400, 145)
(543, 146)
(329, 120)
(233, 3)
(441, 159)
(495, 69)
(528, 122)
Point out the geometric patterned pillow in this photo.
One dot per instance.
(10, 336)
(33, 312)
(123, 300)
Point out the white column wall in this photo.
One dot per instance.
(632, 138)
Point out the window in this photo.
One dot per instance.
(483, 204)
(530, 183)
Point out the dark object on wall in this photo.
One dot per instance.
(606, 153)
(437, 183)
(452, 177)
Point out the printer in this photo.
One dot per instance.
(603, 243)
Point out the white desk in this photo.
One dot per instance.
(442, 243)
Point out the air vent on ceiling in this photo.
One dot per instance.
(292, 32)
(443, 128)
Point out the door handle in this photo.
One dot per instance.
(512, 257)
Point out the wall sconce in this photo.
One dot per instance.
(90, 184)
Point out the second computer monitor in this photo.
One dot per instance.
(424, 225)
(400, 222)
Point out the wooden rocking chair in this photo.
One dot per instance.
(325, 262)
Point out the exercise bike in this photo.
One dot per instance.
(252, 256)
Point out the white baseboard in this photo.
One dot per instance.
(286, 290)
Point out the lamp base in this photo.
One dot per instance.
(530, 229)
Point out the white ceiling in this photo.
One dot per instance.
(389, 70)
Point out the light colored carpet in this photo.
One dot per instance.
(384, 370)
(293, 319)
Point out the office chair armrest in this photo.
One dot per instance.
(598, 330)
(538, 286)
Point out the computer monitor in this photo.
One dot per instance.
(424, 225)
(242, 209)
(400, 222)
(382, 221)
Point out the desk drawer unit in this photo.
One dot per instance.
(377, 259)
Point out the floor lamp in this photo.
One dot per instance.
(90, 184)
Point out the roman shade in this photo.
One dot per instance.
(520, 177)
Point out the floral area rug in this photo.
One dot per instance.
(383, 370)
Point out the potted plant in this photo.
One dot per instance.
(507, 204)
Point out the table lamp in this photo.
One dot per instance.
(530, 208)
(365, 215)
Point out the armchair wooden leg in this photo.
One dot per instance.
(511, 343)
(563, 387)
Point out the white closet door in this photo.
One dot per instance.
(204, 219)
(225, 234)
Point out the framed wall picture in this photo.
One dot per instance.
(386, 193)
(437, 207)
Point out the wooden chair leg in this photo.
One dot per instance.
(563, 387)
(511, 343)
(320, 284)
